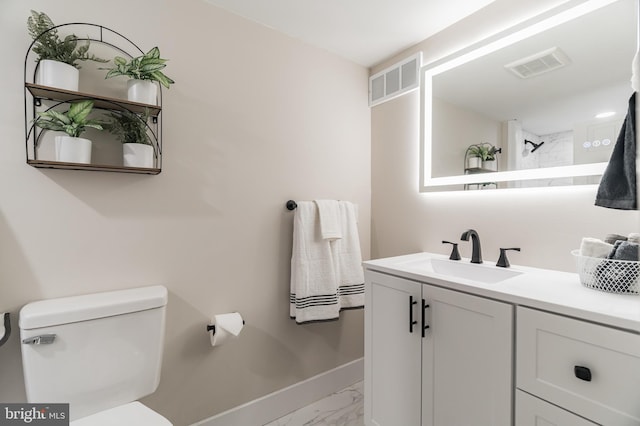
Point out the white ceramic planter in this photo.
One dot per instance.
(474, 162)
(490, 165)
(137, 155)
(72, 150)
(143, 91)
(57, 74)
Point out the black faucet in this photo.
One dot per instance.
(503, 262)
(476, 255)
(455, 254)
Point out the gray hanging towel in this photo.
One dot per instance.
(617, 188)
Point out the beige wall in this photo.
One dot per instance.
(546, 223)
(254, 119)
(451, 140)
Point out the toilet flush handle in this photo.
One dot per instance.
(43, 339)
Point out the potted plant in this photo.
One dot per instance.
(131, 129)
(70, 148)
(489, 159)
(57, 58)
(474, 156)
(143, 71)
(482, 156)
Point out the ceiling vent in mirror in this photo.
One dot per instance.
(540, 63)
(395, 80)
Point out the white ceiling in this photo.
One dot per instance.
(363, 31)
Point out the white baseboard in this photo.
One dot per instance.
(277, 404)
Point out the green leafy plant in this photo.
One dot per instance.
(73, 122)
(129, 127)
(491, 153)
(145, 67)
(49, 45)
(485, 151)
(479, 151)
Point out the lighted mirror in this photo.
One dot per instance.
(545, 100)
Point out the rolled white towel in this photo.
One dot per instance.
(634, 237)
(593, 247)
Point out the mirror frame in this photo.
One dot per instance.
(528, 28)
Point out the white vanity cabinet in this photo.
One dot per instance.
(532, 411)
(576, 350)
(392, 355)
(435, 357)
(589, 369)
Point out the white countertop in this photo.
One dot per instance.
(554, 291)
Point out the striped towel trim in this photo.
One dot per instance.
(326, 299)
(319, 300)
(351, 289)
(351, 308)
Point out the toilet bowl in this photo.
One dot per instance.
(98, 352)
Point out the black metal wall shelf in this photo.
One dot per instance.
(473, 170)
(102, 102)
(479, 170)
(41, 164)
(35, 95)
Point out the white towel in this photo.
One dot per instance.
(348, 259)
(634, 237)
(593, 247)
(330, 223)
(314, 283)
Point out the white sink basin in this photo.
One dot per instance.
(462, 269)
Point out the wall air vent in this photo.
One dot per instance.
(540, 63)
(395, 80)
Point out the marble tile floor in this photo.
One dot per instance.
(343, 408)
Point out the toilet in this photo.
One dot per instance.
(98, 352)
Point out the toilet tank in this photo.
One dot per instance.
(107, 348)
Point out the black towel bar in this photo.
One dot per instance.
(291, 205)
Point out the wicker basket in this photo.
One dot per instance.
(610, 275)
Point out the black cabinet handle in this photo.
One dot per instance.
(411, 321)
(582, 373)
(424, 317)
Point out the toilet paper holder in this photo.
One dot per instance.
(212, 328)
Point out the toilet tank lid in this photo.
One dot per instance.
(65, 310)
